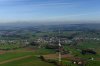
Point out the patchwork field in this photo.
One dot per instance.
(23, 57)
(27, 61)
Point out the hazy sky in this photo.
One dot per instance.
(49, 10)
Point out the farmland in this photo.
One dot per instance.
(38, 46)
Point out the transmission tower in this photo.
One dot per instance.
(59, 46)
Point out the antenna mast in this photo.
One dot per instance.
(59, 46)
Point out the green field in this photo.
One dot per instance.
(9, 51)
(32, 60)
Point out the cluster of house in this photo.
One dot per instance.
(63, 40)
(14, 41)
(52, 40)
(7, 32)
(86, 38)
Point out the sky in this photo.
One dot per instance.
(49, 10)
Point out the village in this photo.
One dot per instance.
(69, 48)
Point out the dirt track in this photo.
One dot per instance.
(55, 56)
(14, 59)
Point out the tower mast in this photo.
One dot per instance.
(59, 46)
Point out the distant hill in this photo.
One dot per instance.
(64, 26)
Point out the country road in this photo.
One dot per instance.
(14, 59)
